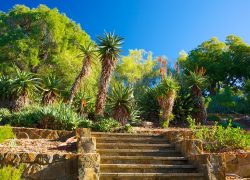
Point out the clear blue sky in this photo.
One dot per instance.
(162, 26)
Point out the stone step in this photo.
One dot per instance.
(99, 134)
(146, 168)
(138, 152)
(151, 176)
(146, 140)
(134, 146)
(143, 160)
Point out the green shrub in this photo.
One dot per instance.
(148, 103)
(4, 112)
(11, 173)
(6, 133)
(128, 128)
(106, 125)
(58, 116)
(219, 138)
(183, 106)
(27, 117)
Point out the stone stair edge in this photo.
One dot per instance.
(145, 157)
(140, 166)
(154, 174)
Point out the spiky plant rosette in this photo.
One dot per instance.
(120, 102)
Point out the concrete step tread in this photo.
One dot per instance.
(153, 174)
(135, 144)
(126, 134)
(145, 158)
(140, 166)
(136, 150)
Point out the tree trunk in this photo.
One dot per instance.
(86, 67)
(20, 102)
(108, 66)
(200, 113)
(121, 115)
(48, 98)
(167, 104)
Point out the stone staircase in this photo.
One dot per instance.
(127, 156)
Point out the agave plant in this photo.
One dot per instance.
(109, 50)
(197, 81)
(166, 94)
(51, 90)
(24, 84)
(88, 53)
(120, 102)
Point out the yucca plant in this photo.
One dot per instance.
(51, 90)
(89, 55)
(166, 94)
(120, 102)
(197, 81)
(109, 50)
(24, 84)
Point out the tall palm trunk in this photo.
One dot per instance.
(108, 66)
(85, 71)
(200, 113)
(167, 104)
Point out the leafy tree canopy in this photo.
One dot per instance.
(43, 41)
(226, 63)
(137, 65)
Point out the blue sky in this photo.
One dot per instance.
(162, 26)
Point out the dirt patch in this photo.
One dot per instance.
(36, 146)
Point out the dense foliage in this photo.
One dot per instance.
(219, 138)
(6, 133)
(11, 173)
(44, 42)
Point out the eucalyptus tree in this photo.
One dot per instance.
(42, 41)
(109, 50)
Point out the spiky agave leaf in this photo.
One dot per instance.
(120, 102)
(110, 45)
(24, 83)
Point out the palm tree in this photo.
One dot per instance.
(23, 86)
(88, 52)
(197, 82)
(51, 90)
(109, 49)
(166, 93)
(120, 102)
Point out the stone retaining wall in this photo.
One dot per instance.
(82, 165)
(33, 133)
(43, 166)
(216, 166)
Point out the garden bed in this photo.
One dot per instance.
(36, 146)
